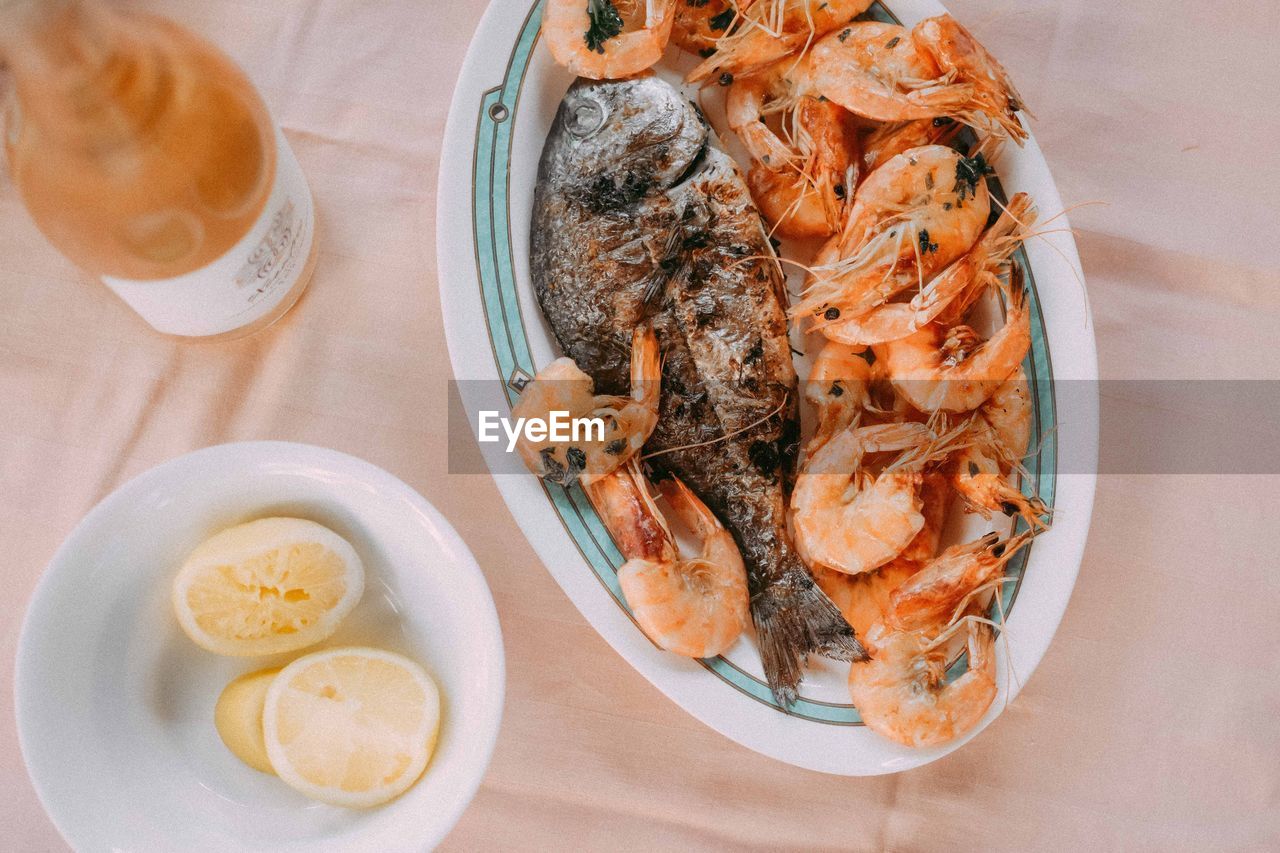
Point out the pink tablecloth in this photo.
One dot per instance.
(1152, 721)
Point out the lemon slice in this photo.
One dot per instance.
(269, 586)
(352, 727)
(238, 717)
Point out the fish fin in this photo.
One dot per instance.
(668, 265)
(794, 619)
(654, 287)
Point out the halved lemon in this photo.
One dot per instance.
(352, 727)
(268, 586)
(238, 717)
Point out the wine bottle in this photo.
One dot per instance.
(148, 158)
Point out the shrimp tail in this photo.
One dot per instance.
(794, 618)
(1015, 289)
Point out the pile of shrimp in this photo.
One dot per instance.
(871, 144)
(906, 433)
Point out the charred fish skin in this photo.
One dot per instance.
(729, 379)
(589, 260)
(636, 217)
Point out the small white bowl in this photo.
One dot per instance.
(115, 704)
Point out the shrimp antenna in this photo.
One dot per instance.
(955, 626)
(1041, 234)
(990, 146)
(1008, 649)
(720, 438)
(781, 260)
(939, 445)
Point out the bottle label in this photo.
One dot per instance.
(249, 280)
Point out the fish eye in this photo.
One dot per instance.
(584, 118)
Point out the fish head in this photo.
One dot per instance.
(616, 141)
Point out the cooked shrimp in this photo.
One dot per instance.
(700, 24)
(770, 94)
(975, 271)
(839, 389)
(887, 405)
(994, 448)
(808, 197)
(929, 186)
(696, 607)
(849, 519)
(935, 596)
(864, 598)
(911, 218)
(901, 692)
(1022, 212)
(562, 388)
(842, 386)
(879, 71)
(824, 134)
(962, 58)
(788, 203)
(935, 498)
(887, 73)
(887, 141)
(588, 38)
(768, 30)
(803, 170)
(954, 370)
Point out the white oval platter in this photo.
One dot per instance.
(503, 106)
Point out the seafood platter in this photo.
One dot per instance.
(803, 266)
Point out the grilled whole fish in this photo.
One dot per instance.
(638, 218)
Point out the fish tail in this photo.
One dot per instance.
(794, 619)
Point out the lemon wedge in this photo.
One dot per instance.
(238, 717)
(268, 586)
(352, 727)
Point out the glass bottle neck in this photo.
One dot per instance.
(45, 37)
(80, 72)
